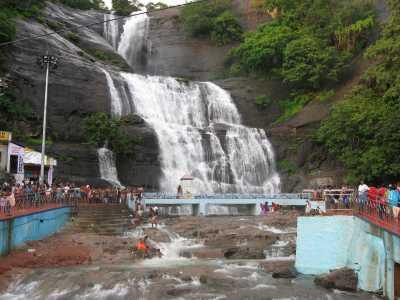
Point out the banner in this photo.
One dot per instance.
(50, 176)
(19, 151)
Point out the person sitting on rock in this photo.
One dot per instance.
(141, 247)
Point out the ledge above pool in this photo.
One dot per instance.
(16, 231)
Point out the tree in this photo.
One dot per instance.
(262, 50)
(124, 7)
(155, 6)
(308, 63)
(226, 29)
(211, 19)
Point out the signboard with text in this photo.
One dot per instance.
(5, 136)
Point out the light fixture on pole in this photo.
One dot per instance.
(46, 61)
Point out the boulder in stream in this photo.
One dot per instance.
(343, 279)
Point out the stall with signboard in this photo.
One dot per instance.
(32, 163)
(15, 164)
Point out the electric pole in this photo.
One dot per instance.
(46, 61)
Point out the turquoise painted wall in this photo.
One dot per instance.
(32, 227)
(322, 243)
(326, 243)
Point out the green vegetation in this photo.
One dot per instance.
(13, 112)
(73, 37)
(287, 166)
(125, 7)
(108, 57)
(308, 45)
(7, 26)
(84, 4)
(155, 6)
(212, 19)
(263, 101)
(364, 130)
(292, 106)
(101, 129)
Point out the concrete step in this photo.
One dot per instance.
(95, 221)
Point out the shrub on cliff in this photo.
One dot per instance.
(212, 19)
(102, 130)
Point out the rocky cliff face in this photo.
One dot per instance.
(79, 87)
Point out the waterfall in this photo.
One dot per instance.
(108, 171)
(111, 30)
(133, 43)
(222, 210)
(116, 102)
(200, 133)
(197, 124)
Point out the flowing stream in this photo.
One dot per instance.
(169, 277)
(197, 124)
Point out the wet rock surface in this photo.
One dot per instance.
(343, 279)
(112, 272)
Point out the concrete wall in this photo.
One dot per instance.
(326, 243)
(35, 226)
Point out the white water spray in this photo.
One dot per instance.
(108, 171)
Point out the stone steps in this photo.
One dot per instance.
(101, 219)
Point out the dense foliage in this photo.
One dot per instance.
(12, 112)
(308, 45)
(125, 7)
(212, 19)
(102, 130)
(364, 130)
(155, 6)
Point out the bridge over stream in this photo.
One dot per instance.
(204, 205)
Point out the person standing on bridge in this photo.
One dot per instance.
(362, 194)
(394, 199)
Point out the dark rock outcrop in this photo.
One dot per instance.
(77, 88)
(289, 272)
(343, 279)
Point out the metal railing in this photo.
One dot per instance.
(380, 212)
(25, 202)
(225, 196)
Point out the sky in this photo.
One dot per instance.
(168, 2)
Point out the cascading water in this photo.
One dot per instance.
(197, 125)
(133, 43)
(116, 102)
(111, 30)
(108, 171)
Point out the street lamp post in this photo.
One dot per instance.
(46, 61)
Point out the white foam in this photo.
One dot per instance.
(263, 286)
(282, 258)
(275, 230)
(98, 292)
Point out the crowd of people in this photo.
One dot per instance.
(31, 194)
(385, 200)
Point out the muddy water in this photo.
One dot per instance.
(171, 277)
